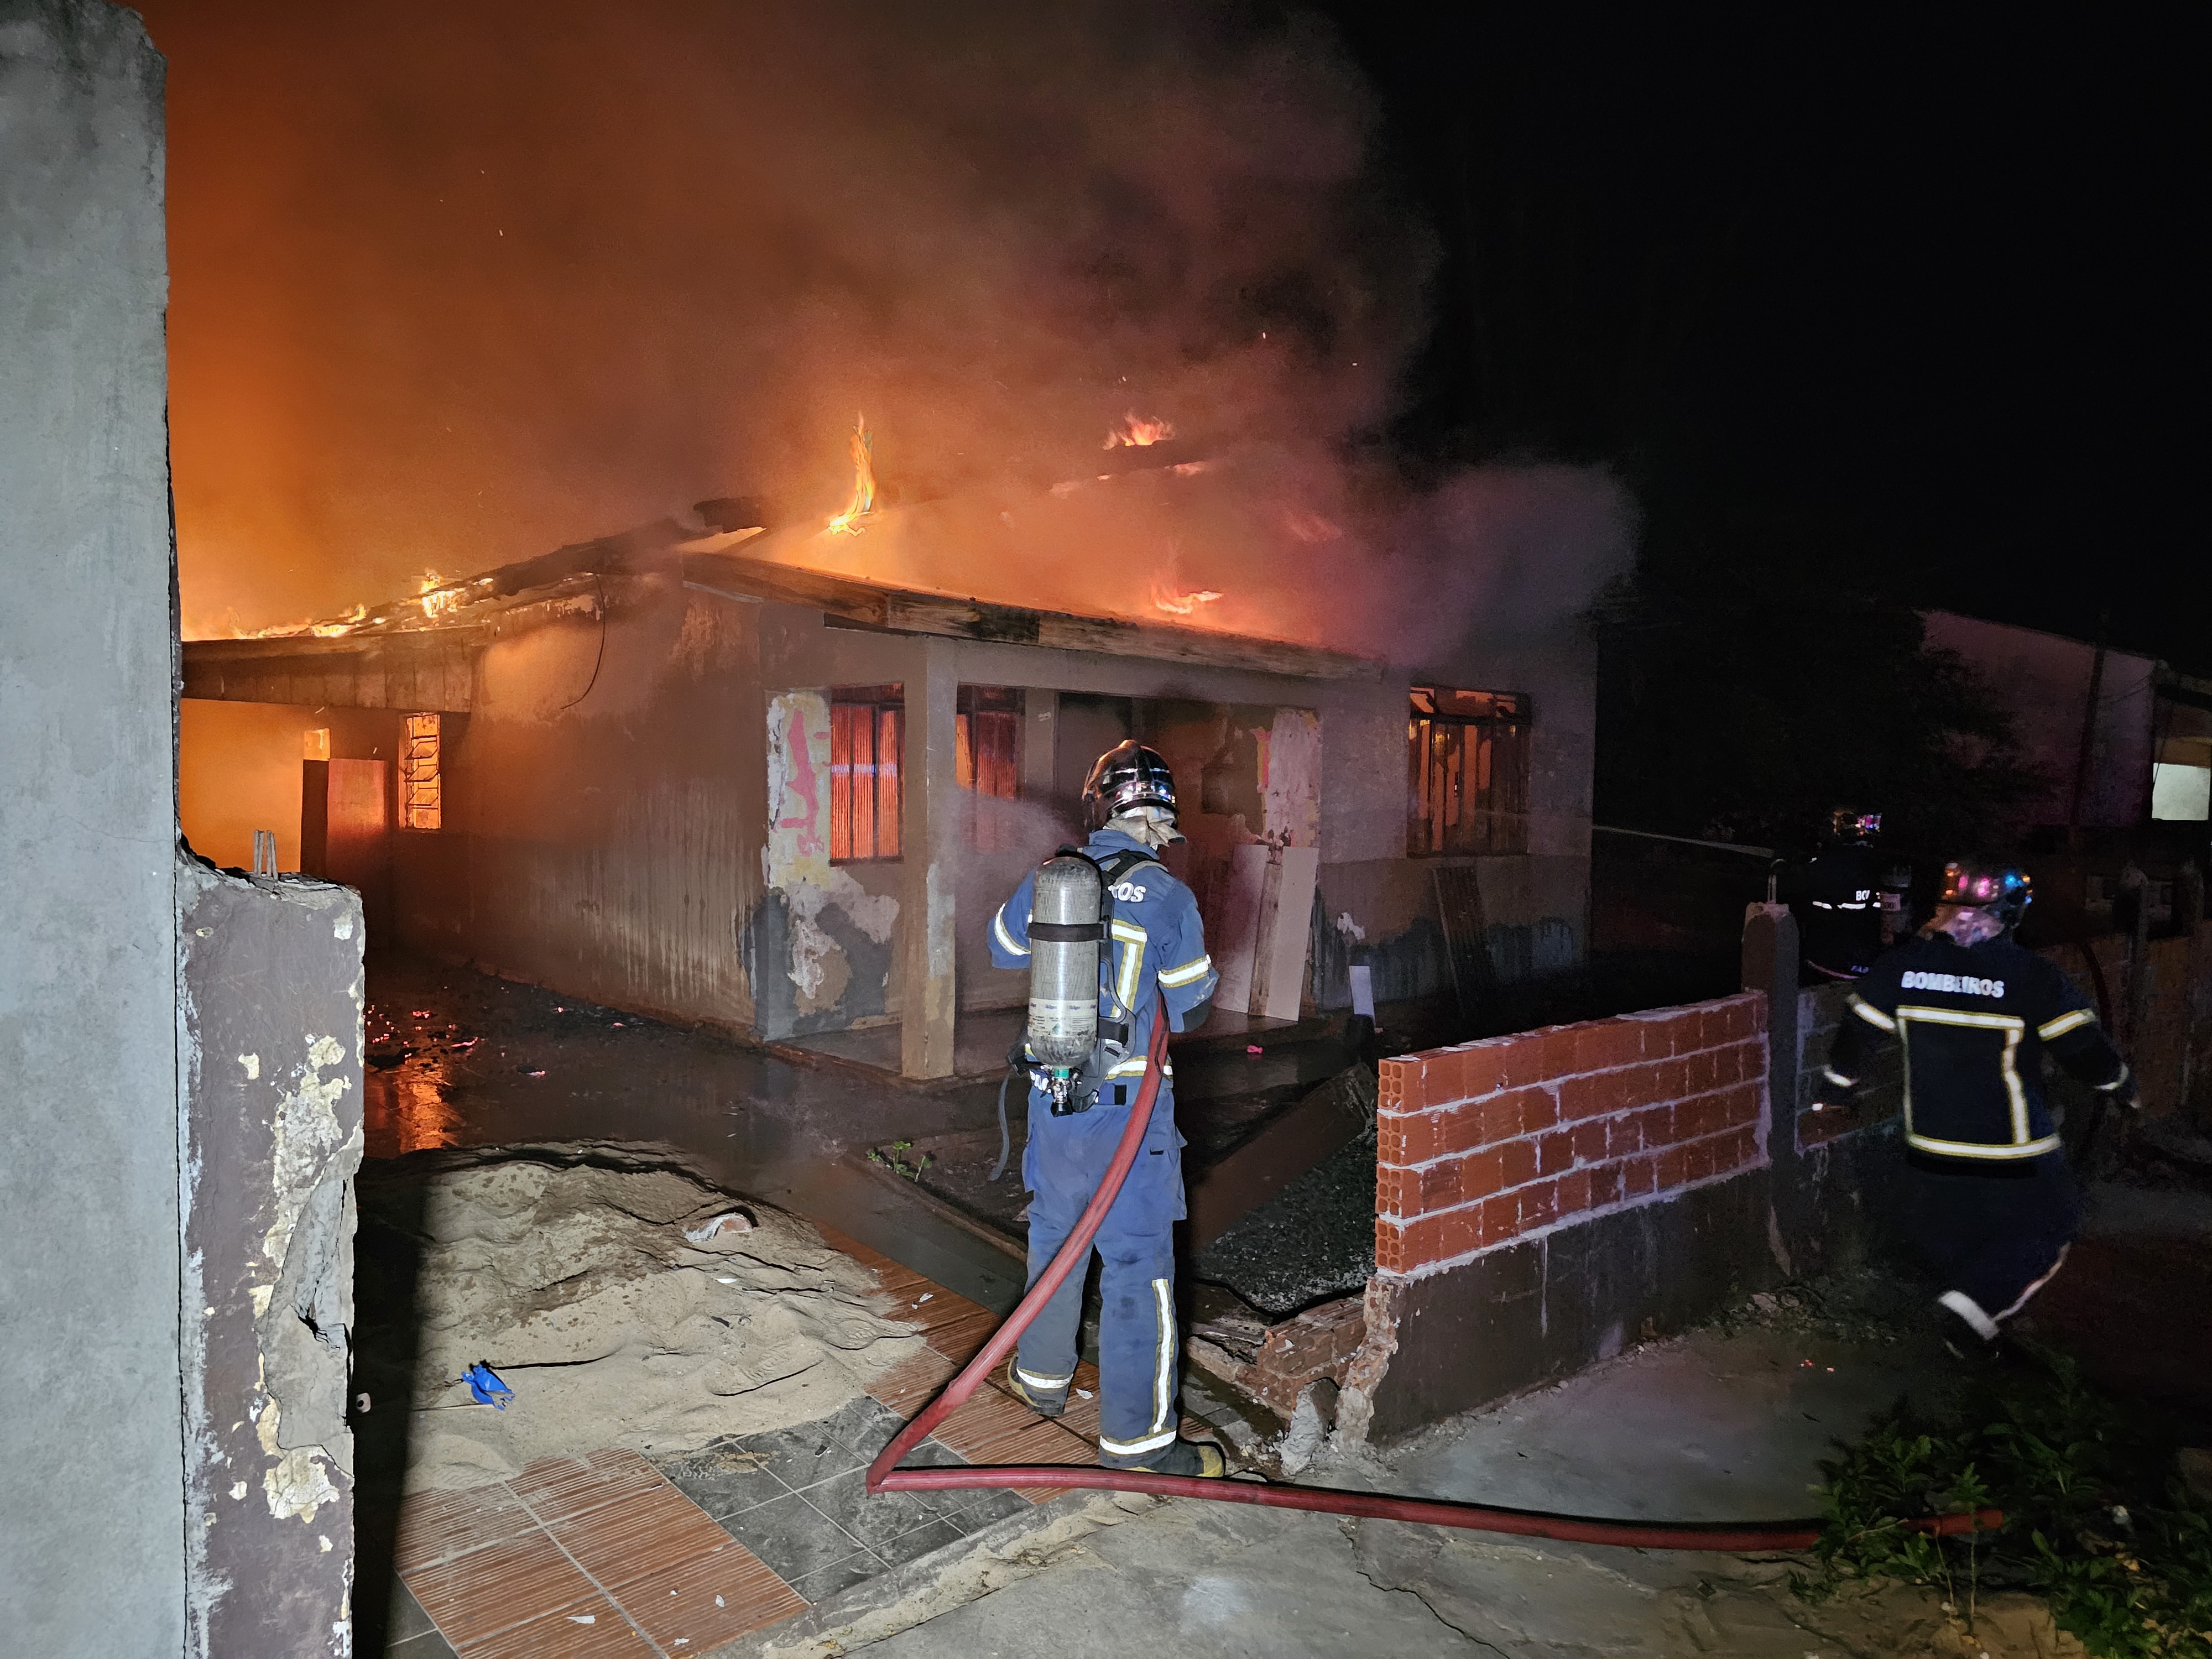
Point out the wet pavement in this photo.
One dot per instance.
(460, 1059)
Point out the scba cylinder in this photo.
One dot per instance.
(1066, 931)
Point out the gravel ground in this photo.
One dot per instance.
(1312, 1241)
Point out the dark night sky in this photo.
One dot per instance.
(1922, 299)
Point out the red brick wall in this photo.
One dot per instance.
(1491, 1141)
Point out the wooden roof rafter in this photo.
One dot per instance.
(911, 611)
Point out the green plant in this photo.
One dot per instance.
(895, 1161)
(2093, 1521)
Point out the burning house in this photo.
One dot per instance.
(776, 781)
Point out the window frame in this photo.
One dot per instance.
(1492, 729)
(419, 780)
(886, 704)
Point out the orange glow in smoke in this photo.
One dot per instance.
(1177, 603)
(1309, 527)
(864, 483)
(1138, 432)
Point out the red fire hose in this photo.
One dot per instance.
(886, 1475)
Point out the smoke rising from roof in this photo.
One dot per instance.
(454, 285)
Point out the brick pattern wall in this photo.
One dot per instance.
(1822, 1011)
(1489, 1142)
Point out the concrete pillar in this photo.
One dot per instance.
(931, 832)
(93, 1448)
(1771, 964)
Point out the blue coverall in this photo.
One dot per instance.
(1157, 951)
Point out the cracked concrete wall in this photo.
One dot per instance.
(269, 1066)
(92, 1557)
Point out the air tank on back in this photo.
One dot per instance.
(1064, 934)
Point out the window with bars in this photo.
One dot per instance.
(422, 789)
(987, 762)
(1467, 784)
(867, 732)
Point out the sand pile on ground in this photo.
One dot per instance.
(590, 1277)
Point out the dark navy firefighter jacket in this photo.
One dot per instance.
(1974, 1022)
(1157, 942)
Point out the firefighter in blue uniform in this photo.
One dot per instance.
(1989, 1201)
(1157, 952)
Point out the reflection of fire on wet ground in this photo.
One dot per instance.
(407, 1084)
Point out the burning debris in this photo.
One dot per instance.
(1137, 431)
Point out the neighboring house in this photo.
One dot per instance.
(2043, 680)
(660, 772)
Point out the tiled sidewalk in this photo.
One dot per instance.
(576, 1560)
(617, 1556)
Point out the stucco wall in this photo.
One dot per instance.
(92, 1556)
(2043, 680)
(630, 817)
(601, 805)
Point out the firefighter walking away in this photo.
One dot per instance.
(1989, 1204)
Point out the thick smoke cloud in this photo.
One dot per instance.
(455, 285)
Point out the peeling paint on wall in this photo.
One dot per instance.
(819, 930)
(1290, 777)
(269, 995)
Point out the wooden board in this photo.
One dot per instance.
(1265, 917)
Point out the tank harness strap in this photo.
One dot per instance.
(1111, 869)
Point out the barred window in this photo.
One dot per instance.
(987, 762)
(867, 732)
(1467, 784)
(422, 789)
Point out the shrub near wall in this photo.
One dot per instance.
(1542, 1197)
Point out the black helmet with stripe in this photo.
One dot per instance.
(2001, 890)
(1125, 777)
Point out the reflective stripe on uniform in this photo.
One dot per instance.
(2118, 1082)
(1132, 1448)
(1872, 1015)
(1188, 973)
(1837, 1078)
(1163, 1374)
(2065, 1022)
(1135, 1066)
(1048, 1384)
(1980, 1149)
(1132, 941)
(1006, 939)
(2013, 1029)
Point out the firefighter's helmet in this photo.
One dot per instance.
(1125, 777)
(1849, 827)
(2000, 889)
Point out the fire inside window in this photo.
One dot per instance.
(421, 792)
(1467, 784)
(986, 761)
(867, 730)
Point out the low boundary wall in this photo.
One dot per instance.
(1546, 1198)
